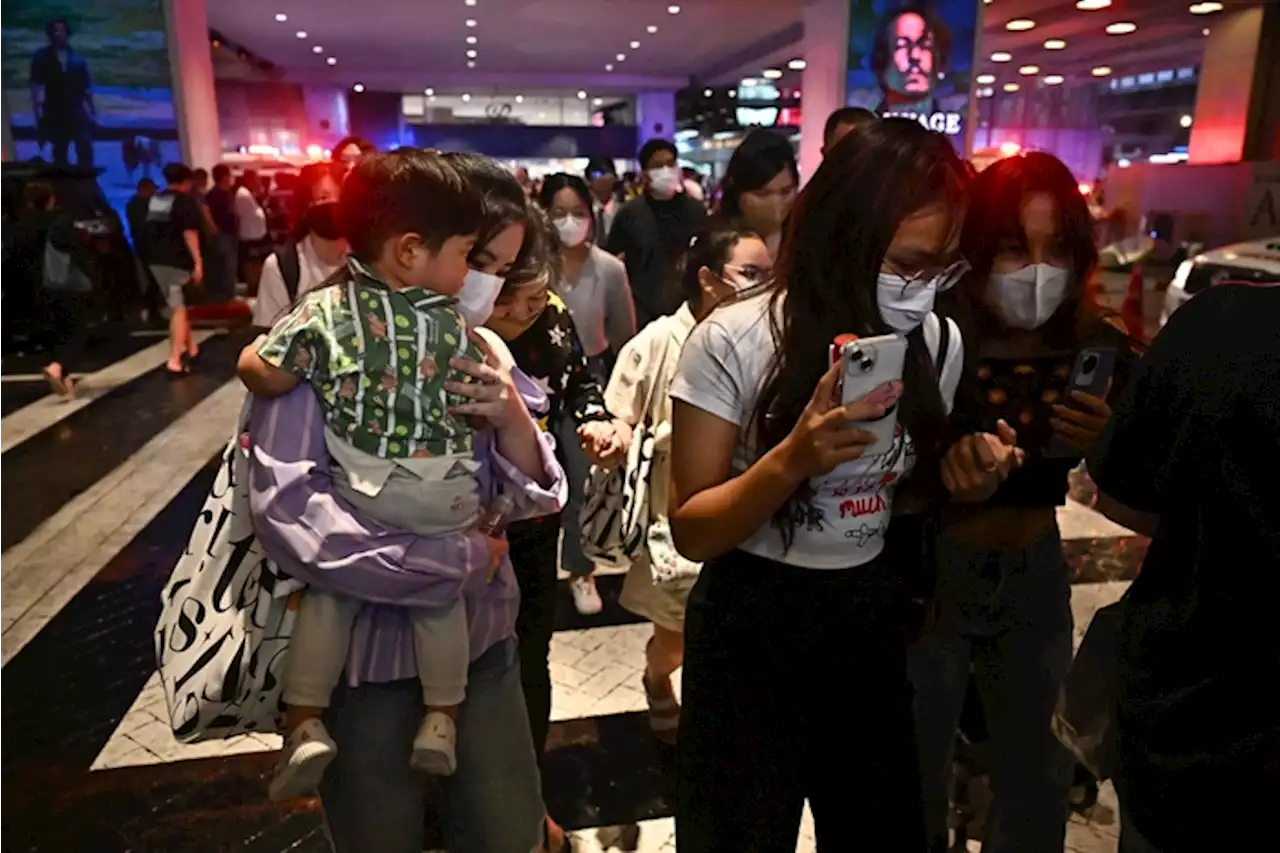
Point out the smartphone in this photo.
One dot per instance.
(1092, 375)
(873, 372)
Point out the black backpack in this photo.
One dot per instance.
(290, 269)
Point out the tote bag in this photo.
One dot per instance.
(226, 617)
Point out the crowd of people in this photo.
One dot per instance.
(449, 351)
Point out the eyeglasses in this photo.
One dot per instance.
(943, 278)
(750, 273)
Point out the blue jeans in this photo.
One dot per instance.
(1005, 615)
(373, 800)
(576, 469)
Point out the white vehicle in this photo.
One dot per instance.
(1257, 260)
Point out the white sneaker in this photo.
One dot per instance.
(586, 598)
(435, 746)
(307, 753)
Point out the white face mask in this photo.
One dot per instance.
(1026, 299)
(904, 306)
(478, 294)
(572, 229)
(664, 182)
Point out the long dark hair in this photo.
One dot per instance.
(303, 190)
(994, 221)
(837, 236)
(504, 200)
(711, 249)
(755, 162)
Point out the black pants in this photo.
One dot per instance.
(533, 545)
(795, 687)
(69, 323)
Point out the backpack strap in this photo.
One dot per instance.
(290, 269)
(944, 338)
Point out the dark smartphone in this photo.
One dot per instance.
(1092, 375)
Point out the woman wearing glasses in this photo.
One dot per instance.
(795, 675)
(1004, 586)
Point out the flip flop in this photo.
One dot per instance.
(60, 384)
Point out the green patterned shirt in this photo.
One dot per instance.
(378, 359)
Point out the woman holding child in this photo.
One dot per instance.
(322, 458)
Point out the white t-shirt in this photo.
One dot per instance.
(251, 219)
(273, 297)
(722, 369)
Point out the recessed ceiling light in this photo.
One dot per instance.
(984, 79)
(471, 54)
(1054, 44)
(1204, 8)
(471, 22)
(1121, 28)
(622, 57)
(1001, 56)
(1053, 79)
(673, 10)
(472, 39)
(707, 93)
(635, 45)
(1205, 31)
(317, 49)
(1101, 71)
(608, 66)
(466, 97)
(595, 102)
(771, 74)
(281, 17)
(332, 60)
(1011, 87)
(1029, 70)
(651, 29)
(301, 34)
(1092, 5)
(471, 63)
(469, 2)
(359, 87)
(733, 93)
(797, 64)
(582, 96)
(428, 92)
(1018, 25)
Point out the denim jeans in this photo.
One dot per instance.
(1005, 615)
(576, 468)
(374, 800)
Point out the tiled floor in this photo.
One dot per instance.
(89, 760)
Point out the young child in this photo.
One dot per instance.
(375, 344)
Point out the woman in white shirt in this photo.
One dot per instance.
(316, 251)
(795, 680)
(593, 283)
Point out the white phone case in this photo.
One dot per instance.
(873, 368)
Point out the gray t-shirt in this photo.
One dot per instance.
(599, 301)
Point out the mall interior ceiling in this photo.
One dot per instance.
(622, 46)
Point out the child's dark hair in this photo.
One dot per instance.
(711, 249)
(407, 191)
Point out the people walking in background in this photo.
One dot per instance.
(220, 202)
(760, 185)
(251, 228)
(62, 97)
(651, 232)
(351, 150)
(171, 251)
(602, 178)
(841, 123)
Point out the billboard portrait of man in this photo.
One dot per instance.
(910, 56)
(62, 96)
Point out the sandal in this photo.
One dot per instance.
(664, 710)
(59, 382)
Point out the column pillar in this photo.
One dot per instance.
(826, 56)
(1237, 115)
(327, 118)
(655, 116)
(195, 100)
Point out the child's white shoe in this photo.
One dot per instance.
(435, 746)
(307, 753)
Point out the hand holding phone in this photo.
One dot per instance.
(873, 374)
(1078, 423)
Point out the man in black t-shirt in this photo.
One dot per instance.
(172, 252)
(651, 233)
(1191, 456)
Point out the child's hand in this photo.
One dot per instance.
(498, 549)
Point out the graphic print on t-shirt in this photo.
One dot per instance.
(855, 499)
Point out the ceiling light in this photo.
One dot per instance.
(673, 10)
(332, 60)
(428, 92)
(1205, 31)
(771, 74)
(1101, 71)
(471, 54)
(1029, 70)
(707, 93)
(582, 96)
(317, 49)
(359, 87)
(1018, 25)
(608, 66)
(1121, 28)
(797, 64)
(519, 99)
(472, 39)
(471, 22)
(471, 63)
(469, 2)
(1204, 9)
(1092, 5)
(1185, 121)
(281, 17)
(733, 93)
(301, 34)
(1053, 79)
(635, 45)
(1054, 44)
(1001, 56)
(651, 29)
(466, 98)
(622, 57)
(1011, 87)
(595, 102)
(984, 79)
